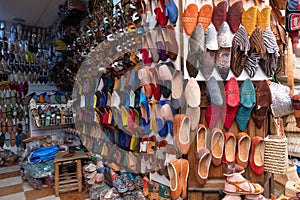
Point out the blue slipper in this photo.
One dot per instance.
(242, 117)
(171, 11)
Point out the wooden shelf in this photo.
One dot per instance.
(294, 154)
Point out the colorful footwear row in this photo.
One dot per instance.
(241, 103)
(51, 115)
(229, 149)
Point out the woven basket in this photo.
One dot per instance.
(276, 154)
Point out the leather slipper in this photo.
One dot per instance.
(189, 18)
(205, 15)
(207, 63)
(171, 11)
(249, 18)
(211, 38)
(214, 92)
(234, 16)
(212, 115)
(196, 51)
(219, 14)
(170, 41)
(224, 36)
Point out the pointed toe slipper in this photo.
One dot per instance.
(219, 14)
(189, 18)
(205, 15)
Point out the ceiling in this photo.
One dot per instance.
(42, 13)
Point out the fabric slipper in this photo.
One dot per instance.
(242, 117)
(160, 13)
(239, 50)
(189, 18)
(223, 56)
(247, 94)
(152, 48)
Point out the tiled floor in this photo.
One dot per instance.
(13, 187)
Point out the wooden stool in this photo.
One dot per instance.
(68, 181)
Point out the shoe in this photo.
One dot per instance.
(212, 115)
(189, 18)
(171, 11)
(224, 36)
(232, 169)
(177, 90)
(257, 155)
(263, 18)
(211, 39)
(174, 170)
(243, 149)
(237, 184)
(217, 146)
(219, 14)
(171, 42)
(234, 16)
(182, 138)
(205, 16)
(194, 115)
(192, 93)
(229, 148)
(184, 166)
(214, 92)
(201, 138)
(249, 18)
(203, 160)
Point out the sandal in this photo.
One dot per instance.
(189, 18)
(237, 188)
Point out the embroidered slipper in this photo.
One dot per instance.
(205, 16)
(189, 18)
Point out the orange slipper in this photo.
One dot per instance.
(189, 18)
(205, 15)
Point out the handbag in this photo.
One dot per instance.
(292, 17)
(281, 100)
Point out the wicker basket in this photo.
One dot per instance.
(276, 154)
